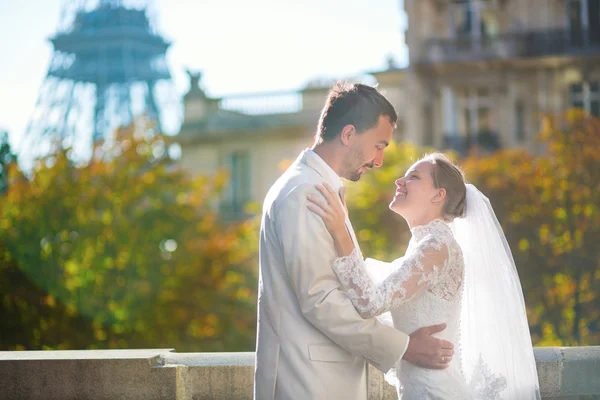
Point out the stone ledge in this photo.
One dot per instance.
(125, 354)
(214, 375)
(241, 359)
(568, 371)
(87, 374)
(565, 373)
(549, 366)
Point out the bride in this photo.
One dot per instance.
(458, 270)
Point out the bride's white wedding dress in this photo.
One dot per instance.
(462, 274)
(423, 288)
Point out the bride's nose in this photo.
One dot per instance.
(398, 182)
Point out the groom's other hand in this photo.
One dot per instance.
(427, 351)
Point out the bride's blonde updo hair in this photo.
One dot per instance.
(449, 176)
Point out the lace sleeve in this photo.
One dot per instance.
(378, 270)
(412, 274)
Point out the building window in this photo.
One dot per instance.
(461, 19)
(584, 21)
(520, 121)
(594, 15)
(237, 193)
(586, 95)
(478, 119)
(475, 19)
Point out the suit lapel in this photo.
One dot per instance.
(307, 159)
(352, 235)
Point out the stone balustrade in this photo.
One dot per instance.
(564, 372)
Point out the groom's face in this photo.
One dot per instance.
(366, 149)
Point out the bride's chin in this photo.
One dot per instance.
(400, 208)
(395, 208)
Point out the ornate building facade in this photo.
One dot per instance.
(251, 136)
(481, 72)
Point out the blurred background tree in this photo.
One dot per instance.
(548, 206)
(125, 251)
(7, 158)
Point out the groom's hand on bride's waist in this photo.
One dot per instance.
(427, 351)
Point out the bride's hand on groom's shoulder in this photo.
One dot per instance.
(330, 209)
(427, 351)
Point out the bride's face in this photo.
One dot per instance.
(415, 192)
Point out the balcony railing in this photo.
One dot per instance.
(564, 373)
(552, 42)
(486, 140)
(263, 103)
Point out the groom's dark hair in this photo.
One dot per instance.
(352, 104)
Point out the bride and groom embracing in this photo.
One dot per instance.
(445, 321)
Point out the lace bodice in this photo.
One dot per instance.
(433, 263)
(422, 288)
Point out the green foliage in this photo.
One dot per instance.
(548, 206)
(127, 250)
(131, 246)
(7, 158)
(31, 318)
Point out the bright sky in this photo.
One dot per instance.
(240, 45)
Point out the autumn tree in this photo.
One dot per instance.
(548, 206)
(128, 242)
(33, 319)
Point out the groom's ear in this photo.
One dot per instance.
(347, 132)
(440, 195)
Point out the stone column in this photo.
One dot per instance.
(510, 132)
(414, 126)
(450, 128)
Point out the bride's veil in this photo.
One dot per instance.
(495, 342)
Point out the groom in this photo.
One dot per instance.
(311, 342)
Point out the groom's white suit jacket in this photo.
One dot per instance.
(311, 342)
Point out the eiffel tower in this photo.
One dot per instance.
(108, 67)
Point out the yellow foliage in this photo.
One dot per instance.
(548, 206)
(105, 224)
